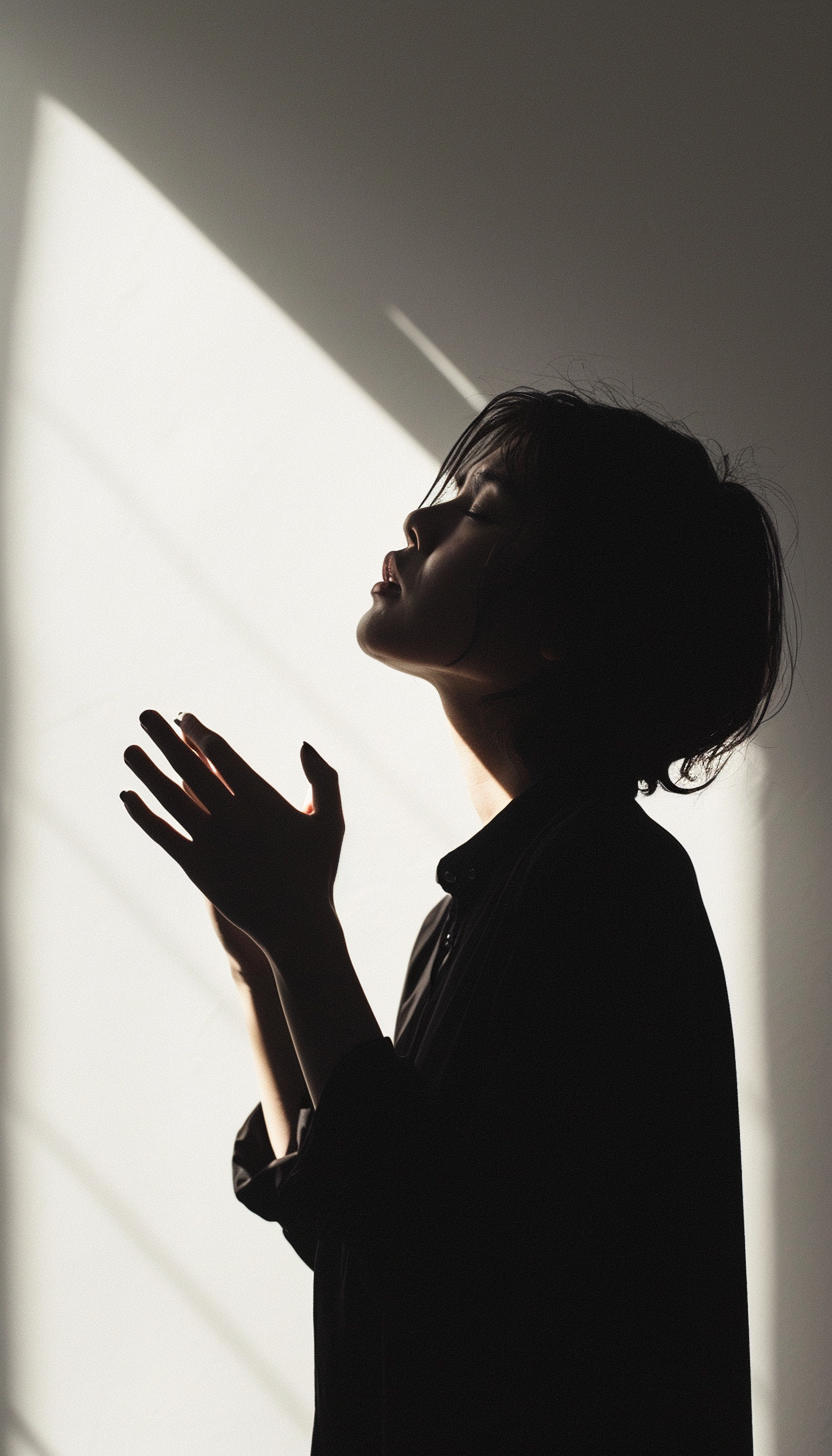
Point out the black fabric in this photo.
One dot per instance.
(525, 1217)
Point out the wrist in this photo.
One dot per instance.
(313, 940)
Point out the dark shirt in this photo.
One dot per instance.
(525, 1215)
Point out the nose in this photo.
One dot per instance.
(423, 527)
(411, 530)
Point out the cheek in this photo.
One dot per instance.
(434, 621)
(447, 596)
(457, 568)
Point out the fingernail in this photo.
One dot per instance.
(144, 716)
(123, 795)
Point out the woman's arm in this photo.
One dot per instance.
(322, 997)
(283, 1089)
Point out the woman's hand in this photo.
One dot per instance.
(267, 867)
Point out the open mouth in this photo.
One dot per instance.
(389, 584)
(388, 571)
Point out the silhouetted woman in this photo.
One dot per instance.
(524, 1213)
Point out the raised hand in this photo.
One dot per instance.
(268, 868)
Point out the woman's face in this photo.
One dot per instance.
(426, 613)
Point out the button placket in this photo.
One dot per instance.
(445, 948)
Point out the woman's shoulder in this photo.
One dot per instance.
(609, 871)
(611, 834)
(613, 899)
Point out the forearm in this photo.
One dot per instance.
(322, 998)
(283, 1090)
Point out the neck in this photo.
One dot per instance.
(485, 790)
(492, 776)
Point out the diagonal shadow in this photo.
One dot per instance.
(179, 1277)
(26, 1434)
(124, 896)
(257, 642)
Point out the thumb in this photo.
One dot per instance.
(326, 795)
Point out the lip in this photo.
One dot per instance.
(389, 571)
(390, 585)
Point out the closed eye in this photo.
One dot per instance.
(480, 516)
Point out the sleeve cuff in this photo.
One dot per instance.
(258, 1176)
(364, 1150)
(256, 1172)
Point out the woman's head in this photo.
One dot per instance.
(632, 590)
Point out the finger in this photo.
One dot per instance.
(196, 748)
(176, 845)
(186, 763)
(181, 803)
(186, 788)
(233, 769)
(326, 795)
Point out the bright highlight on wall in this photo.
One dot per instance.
(199, 501)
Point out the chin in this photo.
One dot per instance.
(375, 637)
(369, 635)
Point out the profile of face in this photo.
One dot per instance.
(427, 616)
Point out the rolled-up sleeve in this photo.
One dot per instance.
(258, 1177)
(360, 1158)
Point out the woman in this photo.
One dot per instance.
(525, 1213)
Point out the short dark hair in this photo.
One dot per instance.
(666, 573)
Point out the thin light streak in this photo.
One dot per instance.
(455, 377)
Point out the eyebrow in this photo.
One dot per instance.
(481, 475)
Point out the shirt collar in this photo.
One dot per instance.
(465, 872)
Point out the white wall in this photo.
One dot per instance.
(198, 501)
(635, 189)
